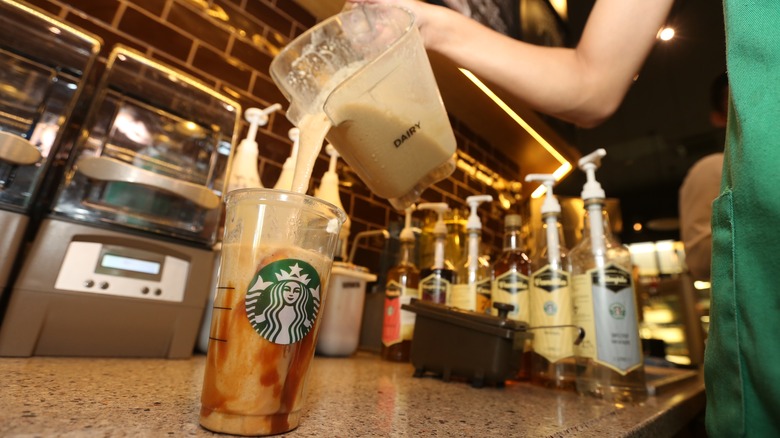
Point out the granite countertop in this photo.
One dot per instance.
(357, 396)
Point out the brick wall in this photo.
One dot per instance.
(229, 45)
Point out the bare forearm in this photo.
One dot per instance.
(583, 85)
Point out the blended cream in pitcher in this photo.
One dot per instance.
(396, 140)
(392, 153)
(262, 346)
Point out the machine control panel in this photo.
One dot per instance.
(123, 271)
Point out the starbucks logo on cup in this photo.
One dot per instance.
(283, 300)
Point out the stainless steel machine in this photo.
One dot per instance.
(42, 64)
(122, 265)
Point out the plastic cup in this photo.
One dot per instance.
(277, 255)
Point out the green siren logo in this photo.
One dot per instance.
(617, 311)
(283, 300)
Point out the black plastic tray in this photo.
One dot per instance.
(456, 344)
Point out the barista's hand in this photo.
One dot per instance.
(426, 17)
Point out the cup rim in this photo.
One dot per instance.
(278, 195)
(353, 10)
(307, 33)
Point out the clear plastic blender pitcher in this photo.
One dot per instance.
(366, 69)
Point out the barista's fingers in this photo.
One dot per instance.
(349, 4)
(426, 14)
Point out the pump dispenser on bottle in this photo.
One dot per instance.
(550, 301)
(471, 290)
(609, 360)
(402, 285)
(243, 173)
(329, 191)
(436, 280)
(285, 180)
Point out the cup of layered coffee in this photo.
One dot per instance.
(277, 254)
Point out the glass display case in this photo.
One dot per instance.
(42, 63)
(154, 153)
(674, 308)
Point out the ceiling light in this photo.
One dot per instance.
(666, 34)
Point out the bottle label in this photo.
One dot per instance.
(511, 287)
(435, 288)
(391, 326)
(407, 317)
(398, 324)
(605, 306)
(483, 296)
(464, 296)
(551, 305)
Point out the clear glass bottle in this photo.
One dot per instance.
(402, 286)
(471, 290)
(552, 358)
(510, 277)
(436, 280)
(609, 360)
(473, 279)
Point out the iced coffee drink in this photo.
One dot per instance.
(276, 260)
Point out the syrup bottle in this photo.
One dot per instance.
(609, 360)
(551, 307)
(510, 277)
(436, 280)
(471, 290)
(402, 286)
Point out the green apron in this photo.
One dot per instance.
(742, 358)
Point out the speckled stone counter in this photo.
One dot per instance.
(357, 396)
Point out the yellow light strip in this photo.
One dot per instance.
(565, 166)
(514, 116)
(561, 7)
(539, 192)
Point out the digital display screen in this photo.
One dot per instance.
(130, 264)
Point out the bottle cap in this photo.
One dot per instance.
(473, 222)
(440, 208)
(550, 203)
(589, 163)
(513, 221)
(407, 233)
